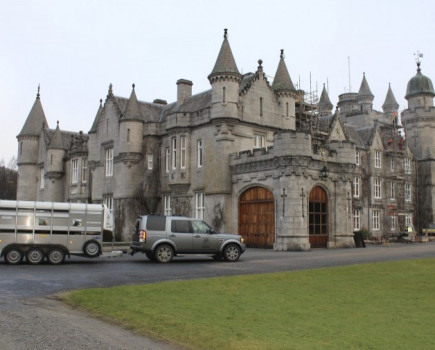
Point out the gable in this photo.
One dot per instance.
(337, 132)
(377, 141)
(259, 104)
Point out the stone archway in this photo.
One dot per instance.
(318, 218)
(257, 217)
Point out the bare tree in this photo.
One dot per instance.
(8, 179)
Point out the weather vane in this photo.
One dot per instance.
(418, 55)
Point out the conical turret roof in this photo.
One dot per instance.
(35, 120)
(364, 90)
(282, 80)
(225, 63)
(56, 141)
(132, 111)
(325, 102)
(390, 103)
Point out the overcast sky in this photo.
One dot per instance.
(75, 49)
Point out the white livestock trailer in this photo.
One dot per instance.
(39, 230)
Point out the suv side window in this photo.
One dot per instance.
(156, 223)
(180, 226)
(201, 227)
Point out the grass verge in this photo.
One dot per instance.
(369, 306)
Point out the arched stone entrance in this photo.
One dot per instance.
(257, 217)
(318, 218)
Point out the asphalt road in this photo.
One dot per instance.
(30, 318)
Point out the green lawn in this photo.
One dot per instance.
(369, 306)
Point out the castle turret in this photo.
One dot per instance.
(285, 91)
(420, 91)
(28, 147)
(365, 96)
(54, 168)
(225, 79)
(390, 106)
(325, 106)
(131, 127)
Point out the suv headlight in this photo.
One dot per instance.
(242, 240)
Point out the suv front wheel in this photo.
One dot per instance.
(231, 252)
(164, 253)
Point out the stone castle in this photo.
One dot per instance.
(248, 156)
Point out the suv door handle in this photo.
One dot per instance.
(197, 236)
(172, 235)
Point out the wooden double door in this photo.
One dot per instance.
(257, 217)
(318, 216)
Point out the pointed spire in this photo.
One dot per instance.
(282, 80)
(225, 63)
(133, 109)
(325, 106)
(390, 105)
(35, 120)
(97, 118)
(110, 92)
(364, 90)
(56, 141)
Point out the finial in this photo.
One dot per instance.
(225, 33)
(133, 86)
(58, 123)
(38, 94)
(282, 54)
(260, 62)
(101, 102)
(110, 89)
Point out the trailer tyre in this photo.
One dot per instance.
(14, 256)
(91, 249)
(35, 256)
(56, 256)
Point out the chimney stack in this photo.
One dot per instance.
(184, 90)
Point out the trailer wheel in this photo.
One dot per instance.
(14, 256)
(164, 253)
(56, 256)
(35, 256)
(91, 249)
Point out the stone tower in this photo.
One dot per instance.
(285, 91)
(419, 123)
(54, 168)
(390, 106)
(225, 79)
(28, 149)
(365, 96)
(325, 106)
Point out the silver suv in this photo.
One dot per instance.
(163, 237)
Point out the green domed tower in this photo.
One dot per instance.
(418, 121)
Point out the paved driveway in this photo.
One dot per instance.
(30, 318)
